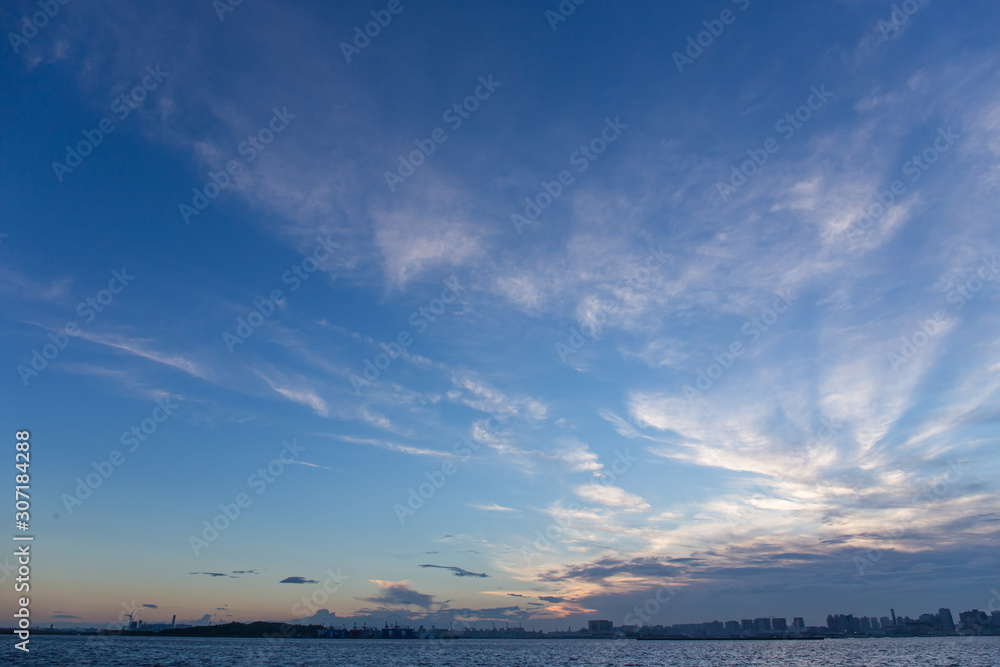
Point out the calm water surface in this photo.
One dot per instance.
(150, 651)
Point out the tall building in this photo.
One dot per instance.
(779, 624)
(762, 624)
(601, 627)
(843, 623)
(732, 628)
(973, 621)
(945, 621)
(746, 625)
(799, 624)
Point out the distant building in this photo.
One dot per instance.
(601, 627)
(973, 621)
(746, 625)
(779, 624)
(843, 624)
(762, 624)
(732, 628)
(799, 624)
(945, 621)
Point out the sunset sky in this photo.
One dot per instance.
(503, 314)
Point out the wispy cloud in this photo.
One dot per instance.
(492, 507)
(390, 446)
(300, 392)
(611, 496)
(457, 571)
(474, 392)
(143, 349)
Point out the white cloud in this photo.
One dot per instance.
(432, 229)
(390, 446)
(492, 507)
(299, 391)
(578, 457)
(486, 398)
(612, 496)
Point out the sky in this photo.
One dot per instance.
(518, 312)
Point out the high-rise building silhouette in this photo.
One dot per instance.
(945, 621)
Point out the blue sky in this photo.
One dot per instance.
(708, 362)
